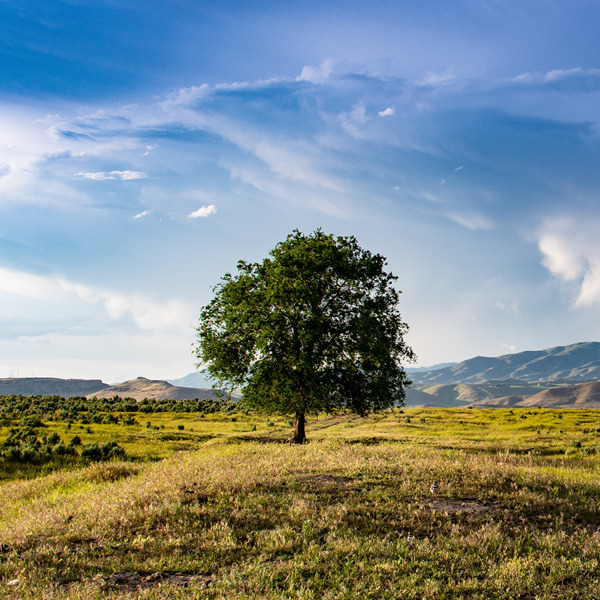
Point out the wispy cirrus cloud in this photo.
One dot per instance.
(577, 78)
(104, 175)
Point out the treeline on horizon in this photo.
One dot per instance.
(80, 408)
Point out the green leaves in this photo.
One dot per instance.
(314, 327)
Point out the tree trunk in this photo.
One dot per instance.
(299, 436)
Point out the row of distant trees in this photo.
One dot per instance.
(81, 409)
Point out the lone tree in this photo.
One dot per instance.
(314, 327)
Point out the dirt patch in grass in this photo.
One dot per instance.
(131, 582)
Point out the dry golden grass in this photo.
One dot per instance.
(349, 515)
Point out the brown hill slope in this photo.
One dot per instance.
(49, 386)
(141, 388)
(576, 362)
(462, 394)
(582, 395)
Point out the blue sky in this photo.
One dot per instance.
(146, 147)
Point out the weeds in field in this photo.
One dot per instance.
(349, 515)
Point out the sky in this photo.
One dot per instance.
(146, 147)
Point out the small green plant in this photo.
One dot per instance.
(96, 452)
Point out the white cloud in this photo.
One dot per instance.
(388, 112)
(561, 258)
(571, 252)
(203, 212)
(144, 213)
(122, 175)
(146, 313)
(318, 74)
(556, 75)
(148, 149)
(25, 284)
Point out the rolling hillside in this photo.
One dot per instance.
(576, 362)
(582, 395)
(50, 386)
(463, 394)
(141, 388)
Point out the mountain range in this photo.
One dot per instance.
(560, 377)
(49, 386)
(575, 363)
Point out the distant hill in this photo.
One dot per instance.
(582, 395)
(141, 388)
(574, 363)
(430, 368)
(198, 379)
(463, 394)
(50, 386)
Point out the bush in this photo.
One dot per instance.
(31, 422)
(53, 438)
(106, 451)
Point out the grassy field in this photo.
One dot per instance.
(218, 507)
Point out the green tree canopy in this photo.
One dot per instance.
(314, 327)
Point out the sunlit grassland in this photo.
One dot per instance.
(348, 515)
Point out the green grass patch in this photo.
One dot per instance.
(222, 509)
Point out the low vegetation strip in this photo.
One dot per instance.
(352, 514)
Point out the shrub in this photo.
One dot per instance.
(53, 438)
(31, 422)
(106, 451)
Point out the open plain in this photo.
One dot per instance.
(216, 505)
